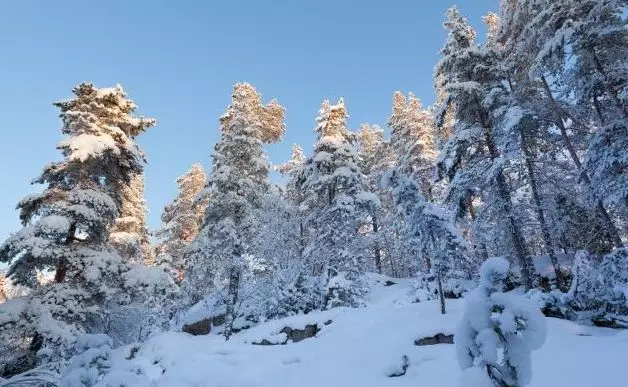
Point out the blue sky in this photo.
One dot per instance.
(179, 59)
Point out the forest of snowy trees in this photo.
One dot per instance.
(524, 156)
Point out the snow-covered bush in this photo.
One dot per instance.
(94, 365)
(498, 331)
(424, 288)
(613, 282)
(553, 304)
(91, 363)
(342, 291)
(599, 289)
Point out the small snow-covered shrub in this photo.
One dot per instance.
(342, 291)
(498, 331)
(553, 304)
(424, 288)
(456, 286)
(599, 288)
(92, 362)
(613, 282)
(94, 365)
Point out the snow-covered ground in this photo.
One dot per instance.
(361, 347)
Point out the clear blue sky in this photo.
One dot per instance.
(179, 59)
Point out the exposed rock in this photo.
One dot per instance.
(609, 322)
(437, 339)
(405, 363)
(297, 335)
(198, 328)
(218, 320)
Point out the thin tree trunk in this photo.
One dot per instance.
(610, 225)
(232, 296)
(440, 293)
(378, 253)
(61, 269)
(549, 246)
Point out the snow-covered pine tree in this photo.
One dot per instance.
(129, 233)
(375, 159)
(236, 185)
(498, 332)
(182, 221)
(542, 40)
(412, 139)
(430, 233)
(293, 171)
(338, 204)
(471, 158)
(613, 287)
(298, 294)
(522, 139)
(599, 79)
(278, 250)
(66, 228)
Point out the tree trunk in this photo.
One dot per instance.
(61, 271)
(441, 295)
(611, 229)
(62, 267)
(549, 246)
(378, 253)
(515, 232)
(232, 297)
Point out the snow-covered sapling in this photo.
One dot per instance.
(498, 332)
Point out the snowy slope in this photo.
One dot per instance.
(361, 347)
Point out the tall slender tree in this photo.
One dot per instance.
(338, 205)
(237, 183)
(182, 221)
(412, 139)
(471, 158)
(375, 160)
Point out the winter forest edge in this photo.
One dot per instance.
(510, 192)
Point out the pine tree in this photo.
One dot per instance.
(538, 37)
(182, 221)
(375, 160)
(129, 233)
(599, 77)
(412, 139)
(66, 226)
(236, 186)
(522, 137)
(472, 158)
(292, 170)
(338, 205)
(429, 231)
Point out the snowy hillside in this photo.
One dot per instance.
(362, 347)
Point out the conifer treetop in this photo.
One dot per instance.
(270, 117)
